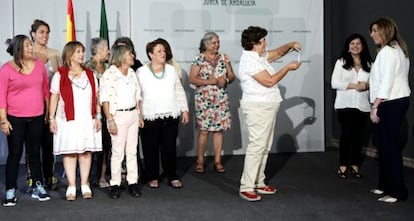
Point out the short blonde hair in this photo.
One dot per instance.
(117, 56)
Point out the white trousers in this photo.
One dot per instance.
(125, 144)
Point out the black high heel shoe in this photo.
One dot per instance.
(342, 174)
(219, 168)
(355, 173)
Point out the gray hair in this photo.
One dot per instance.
(96, 43)
(206, 38)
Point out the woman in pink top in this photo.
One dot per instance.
(24, 90)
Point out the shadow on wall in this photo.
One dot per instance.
(287, 140)
(89, 34)
(118, 26)
(185, 139)
(231, 145)
(3, 149)
(286, 133)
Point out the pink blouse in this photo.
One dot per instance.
(23, 94)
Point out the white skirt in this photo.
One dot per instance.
(76, 136)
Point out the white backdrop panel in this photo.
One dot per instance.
(300, 119)
(300, 123)
(6, 24)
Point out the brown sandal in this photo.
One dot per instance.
(219, 168)
(200, 168)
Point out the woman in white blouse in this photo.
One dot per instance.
(389, 93)
(120, 97)
(260, 103)
(350, 79)
(163, 102)
(75, 118)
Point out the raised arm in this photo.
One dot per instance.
(283, 50)
(268, 80)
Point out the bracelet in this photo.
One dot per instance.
(4, 122)
(98, 116)
(374, 107)
(51, 120)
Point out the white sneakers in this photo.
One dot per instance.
(377, 191)
(387, 199)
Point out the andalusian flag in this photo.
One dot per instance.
(103, 29)
(70, 23)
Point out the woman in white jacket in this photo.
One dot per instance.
(389, 93)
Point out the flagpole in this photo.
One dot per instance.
(129, 19)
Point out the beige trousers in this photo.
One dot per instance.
(260, 119)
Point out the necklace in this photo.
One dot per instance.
(81, 82)
(156, 75)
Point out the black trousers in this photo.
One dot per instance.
(391, 169)
(99, 157)
(353, 123)
(47, 152)
(159, 136)
(26, 131)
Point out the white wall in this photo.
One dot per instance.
(300, 120)
(6, 24)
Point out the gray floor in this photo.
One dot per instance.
(308, 190)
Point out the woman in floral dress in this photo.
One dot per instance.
(211, 72)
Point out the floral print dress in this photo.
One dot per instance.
(211, 102)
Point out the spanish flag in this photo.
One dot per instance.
(70, 23)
